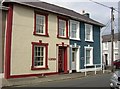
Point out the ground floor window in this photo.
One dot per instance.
(116, 56)
(88, 56)
(39, 55)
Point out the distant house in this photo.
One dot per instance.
(39, 40)
(106, 48)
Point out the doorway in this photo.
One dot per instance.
(62, 60)
(106, 59)
(74, 58)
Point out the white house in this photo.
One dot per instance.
(106, 48)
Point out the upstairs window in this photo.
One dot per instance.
(116, 45)
(105, 45)
(88, 32)
(41, 24)
(74, 30)
(62, 28)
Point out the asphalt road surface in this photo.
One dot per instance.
(89, 81)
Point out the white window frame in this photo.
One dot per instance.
(62, 28)
(115, 45)
(114, 55)
(104, 46)
(39, 56)
(91, 58)
(44, 24)
(91, 33)
(77, 29)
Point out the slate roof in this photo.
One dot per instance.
(56, 9)
(107, 38)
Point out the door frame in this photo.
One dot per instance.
(75, 60)
(77, 57)
(65, 59)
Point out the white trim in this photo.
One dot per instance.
(115, 45)
(78, 29)
(70, 45)
(114, 55)
(70, 71)
(91, 33)
(77, 57)
(75, 39)
(101, 48)
(105, 48)
(1, 75)
(91, 53)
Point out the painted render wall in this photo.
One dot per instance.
(108, 51)
(83, 43)
(22, 36)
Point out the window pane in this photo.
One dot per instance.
(40, 20)
(73, 30)
(88, 31)
(41, 28)
(116, 44)
(87, 60)
(38, 55)
(87, 56)
(116, 56)
(88, 53)
(38, 59)
(62, 27)
(35, 64)
(106, 45)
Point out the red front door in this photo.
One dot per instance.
(62, 60)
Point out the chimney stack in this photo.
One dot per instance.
(85, 14)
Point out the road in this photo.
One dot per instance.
(89, 81)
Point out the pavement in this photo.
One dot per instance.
(41, 79)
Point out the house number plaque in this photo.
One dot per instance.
(52, 58)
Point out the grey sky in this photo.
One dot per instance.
(97, 12)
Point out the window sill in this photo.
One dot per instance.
(88, 65)
(105, 49)
(89, 40)
(46, 35)
(62, 37)
(75, 39)
(44, 68)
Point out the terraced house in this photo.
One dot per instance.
(85, 45)
(44, 39)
